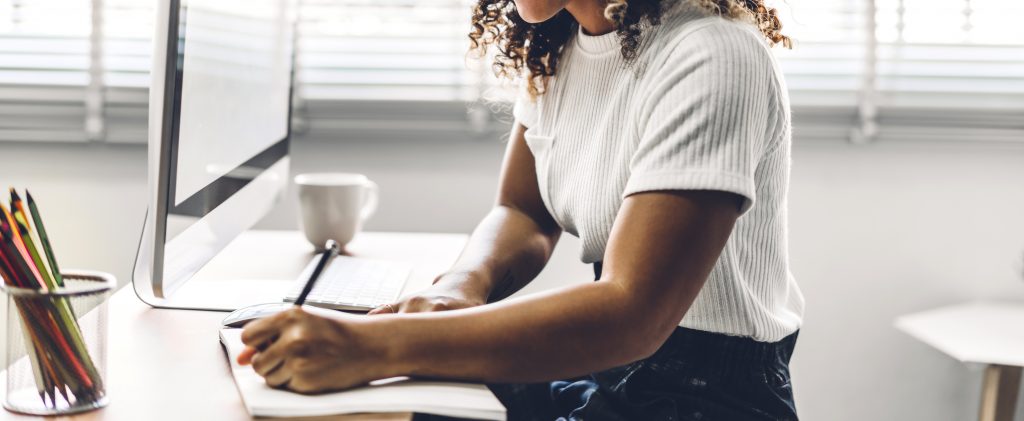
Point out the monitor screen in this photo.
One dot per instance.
(220, 108)
(236, 75)
(232, 106)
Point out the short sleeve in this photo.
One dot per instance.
(704, 123)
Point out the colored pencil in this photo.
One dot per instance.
(27, 225)
(33, 253)
(5, 273)
(60, 360)
(14, 260)
(65, 312)
(44, 238)
(42, 383)
(19, 244)
(11, 274)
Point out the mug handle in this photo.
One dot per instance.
(369, 201)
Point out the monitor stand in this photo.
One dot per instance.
(256, 267)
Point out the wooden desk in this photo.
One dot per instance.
(169, 365)
(983, 333)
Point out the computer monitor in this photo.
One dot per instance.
(219, 114)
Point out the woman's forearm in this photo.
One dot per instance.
(649, 283)
(653, 273)
(506, 251)
(559, 334)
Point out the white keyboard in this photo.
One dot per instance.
(354, 284)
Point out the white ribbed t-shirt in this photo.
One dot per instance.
(703, 107)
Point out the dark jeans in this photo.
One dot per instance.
(695, 375)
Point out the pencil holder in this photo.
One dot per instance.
(56, 350)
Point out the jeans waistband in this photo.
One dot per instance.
(713, 348)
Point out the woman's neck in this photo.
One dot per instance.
(590, 15)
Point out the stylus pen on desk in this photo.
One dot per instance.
(331, 249)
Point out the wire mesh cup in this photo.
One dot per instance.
(56, 353)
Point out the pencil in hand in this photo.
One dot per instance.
(331, 249)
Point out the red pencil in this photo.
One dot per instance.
(43, 319)
(5, 272)
(17, 269)
(11, 230)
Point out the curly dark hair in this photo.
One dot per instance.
(536, 47)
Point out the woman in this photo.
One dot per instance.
(659, 133)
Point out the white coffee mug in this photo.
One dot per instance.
(334, 206)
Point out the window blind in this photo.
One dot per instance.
(861, 70)
(385, 50)
(370, 69)
(906, 69)
(825, 69)
(61, 80)
(950, 70)
(127, 57)
(44, 73)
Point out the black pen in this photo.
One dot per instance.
(331, 249)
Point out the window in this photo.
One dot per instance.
(906, 69)
(861, 70)
(372, 69)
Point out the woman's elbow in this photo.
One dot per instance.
(647, 332)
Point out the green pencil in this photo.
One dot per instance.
(37, 260)
(47, 248)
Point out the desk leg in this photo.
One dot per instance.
(999, 390)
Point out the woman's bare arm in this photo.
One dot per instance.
(662, 248)
(508, 248)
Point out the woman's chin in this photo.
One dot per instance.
(531, 19)
(534, 18)
(533, 11)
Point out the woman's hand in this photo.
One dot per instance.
(312, 351)
(450, 291)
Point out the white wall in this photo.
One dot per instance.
(876, 231)
(92, 198)
(884, 230)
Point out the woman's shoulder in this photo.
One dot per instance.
(688, 31)
(723, 50)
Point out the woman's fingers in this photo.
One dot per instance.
(245, 357)
(258, 332)
(417, 304)
(268, 360)
(278, 377)
(385, 309)
(303, 385)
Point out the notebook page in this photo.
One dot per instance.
(463, 400)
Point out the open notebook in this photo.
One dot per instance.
(462, 400)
